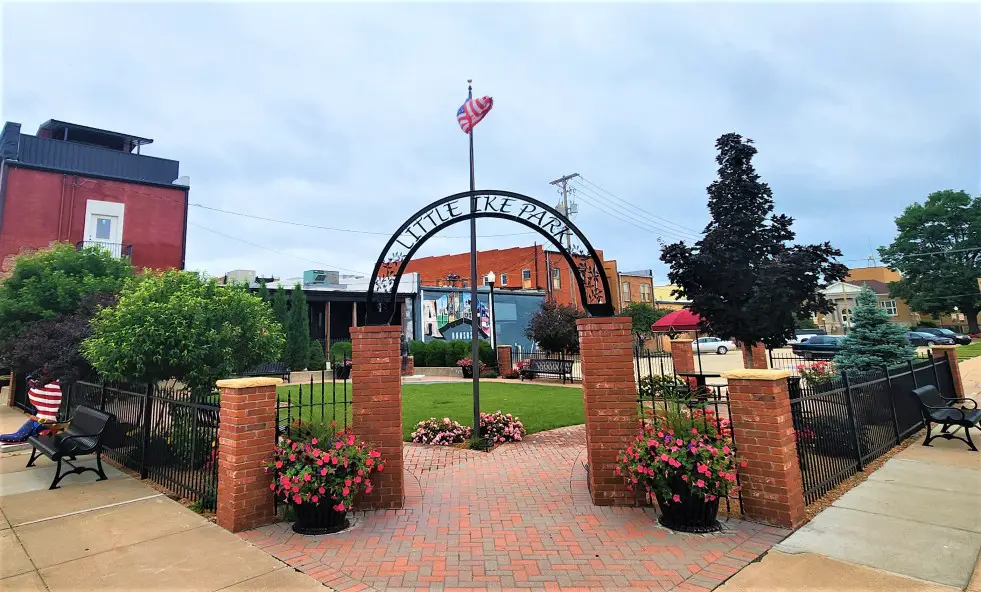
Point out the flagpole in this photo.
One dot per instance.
(474, 316)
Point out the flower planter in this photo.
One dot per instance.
(314, 519)
(342, 372)
(467, 371)
(691, 514)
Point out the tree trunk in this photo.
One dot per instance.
(972, 319)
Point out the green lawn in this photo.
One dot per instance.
(966, 352)
(540, 407)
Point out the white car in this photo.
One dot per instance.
(710, 344)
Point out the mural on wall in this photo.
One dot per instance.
(448, 317)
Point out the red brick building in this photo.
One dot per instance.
(87, 186)
(635, 286)
(530, 268)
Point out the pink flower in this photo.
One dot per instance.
(350, 440)
(367, 490)
(725, 450)
(381, 468)
(315, 499)
(313, 441)
(702, 468)
(272, 486)
(292, 457)
(700, 483)
(357, 479)
(338, 445)
(323, 472)
(297, 499)
(374, 454)
(320, 462)
(347, 482)
(295, 489)
(345, 491)
(684, 477)
(333, 460)
(321, 490)
(339, 507)
(279, 464)
(676, 498)
(307, 477)
(664, 457)
(694, 431)
(743, 464)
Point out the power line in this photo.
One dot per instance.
(944, 252)
(636, 207)
(658, 227)
(637, 224)
(258, 246)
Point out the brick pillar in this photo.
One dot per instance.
(504, 360)
(950, 352)
(610, 397)
(375, 375)
(246, 435)
(763, 430)
(682, 356)
(755, 358)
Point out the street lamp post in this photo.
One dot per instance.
(491, 278)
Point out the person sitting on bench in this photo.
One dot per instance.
(45, 402)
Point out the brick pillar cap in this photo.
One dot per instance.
(944, 347)
(239, 383)
(682, 340)
(604, 321)
(751, 374)
(377, 329)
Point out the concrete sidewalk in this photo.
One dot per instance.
(915, 524)
(117, 534)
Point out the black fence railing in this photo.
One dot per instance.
(325, 401)
(844, 421)
(649, 362)
(162, 432)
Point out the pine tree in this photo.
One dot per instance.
(280, 306)
(873, 342)
(263, 291)
(298, 330)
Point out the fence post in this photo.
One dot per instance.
(892, 403)
(504, 365)
(933, 364)
(853, 420)
(912, 373)
(147, 422)
(102, 401)
(950, 352)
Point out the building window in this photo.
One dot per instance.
(645, 293)
(556, 278)
(626, 291)
(483, 281)
(889, 306)
(846, 316)
(504, 279)
(526, 275)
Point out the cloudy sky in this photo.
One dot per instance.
(343, 115)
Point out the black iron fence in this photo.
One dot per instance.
(323, 402)
(844, 421)
(161, 431)
(649, 362)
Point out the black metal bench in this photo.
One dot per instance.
(83, 436)
(547, 366)
(939, 409)
(273, 369)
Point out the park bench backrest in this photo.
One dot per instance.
(545, 365)
(90, 423)
(929, 396)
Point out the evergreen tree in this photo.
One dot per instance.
(873, 341)
(298, 330)
(263, 291)
(280, 306)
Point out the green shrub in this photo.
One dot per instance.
(340, 351)
(316, 359)
(417, 349)
(460, 349)
(437, 351)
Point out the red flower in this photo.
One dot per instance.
(313, 441)
(676, 498)
(279, 464)
(700, 483)
(307, 477)
(374, 454)
(381, 468)
(347, 482)
(293, 456)
(321, 490)
(345, 491)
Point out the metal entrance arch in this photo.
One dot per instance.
(587, 267)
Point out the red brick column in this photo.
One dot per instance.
(610, 397)
(246, 435)
(763, 430)
(950, 352)
(375, 377)
(755, 357)
(682, 355)
(504, 366)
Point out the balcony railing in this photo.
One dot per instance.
(115, 249)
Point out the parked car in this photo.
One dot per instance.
(919, 338)
(803, 335)
(708, 344)
(957, 337)
(819, 347)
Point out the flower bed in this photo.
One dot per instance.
(498, 428)
(441, 433)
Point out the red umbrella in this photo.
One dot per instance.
(679, 320)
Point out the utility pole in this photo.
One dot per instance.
(563, 184)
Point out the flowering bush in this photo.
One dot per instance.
(821, 372)
(441, 433)
(514, 372)
(497, 428)
(467, 362)
(332, 469)
(675, 454)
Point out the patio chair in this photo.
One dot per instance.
(940, 410)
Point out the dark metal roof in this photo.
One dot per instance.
(57, 126)
(880, 288)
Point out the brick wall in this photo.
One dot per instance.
(610, 400)
(378, 408)
(636, 295)
(773, 492)
(504, 366)
(755, 357)
(682, 355)
(246, 435)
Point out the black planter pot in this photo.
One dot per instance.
(467, 371)
(342, 372)
(314, 519)
(691, 514)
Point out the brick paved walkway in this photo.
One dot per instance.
(518, 517)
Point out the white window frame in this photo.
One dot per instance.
(890, 307)
(504, 279)
(645, 293)
(94, 207)
(625, 289)
(526, 275)
(556, 278)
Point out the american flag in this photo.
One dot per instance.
(472, 111)
(46, 399)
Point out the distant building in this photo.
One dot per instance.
(663, 298)
(90, 186)
(635, 286)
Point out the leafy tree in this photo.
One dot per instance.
(316, 360)
(804, 322)
(280, 306)
(947, 225)
(179, 326)
(742, 277)
(53, 282)
(554, 329)
(50, 349)
(263, 291)
(297, 352)
(642, 316)
(340, 351)
(872, 341)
